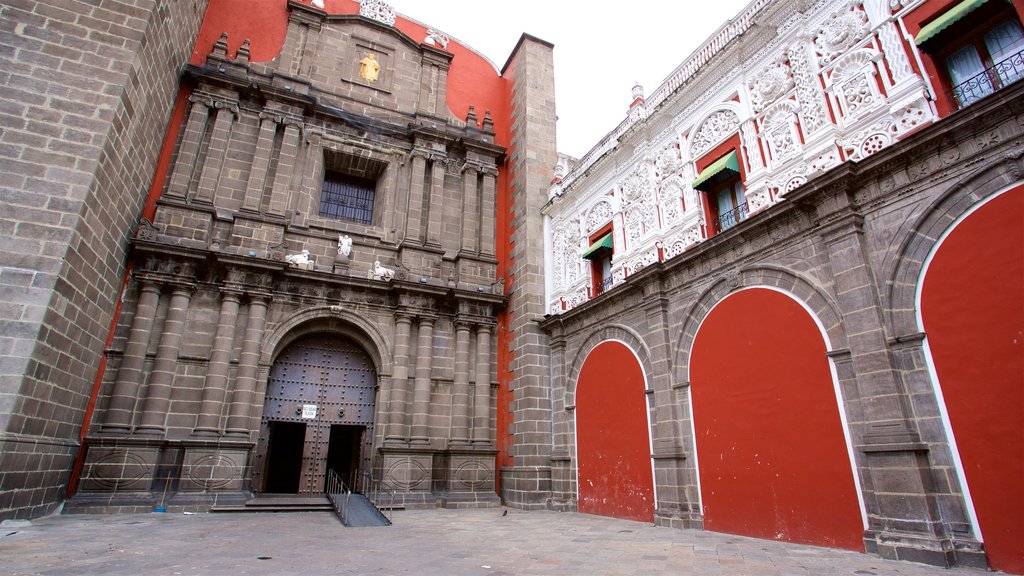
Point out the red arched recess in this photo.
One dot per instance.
(613, 449)
(771, 451)
(972, 307)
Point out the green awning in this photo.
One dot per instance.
(602, 243)
(728, 162)
(946, 20)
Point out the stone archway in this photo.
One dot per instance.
(318, 414)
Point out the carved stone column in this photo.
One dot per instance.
(129, 376)
(215, 387)
(470, 210)
(421, 393)
(460, 385)
(248, 362)
(191, 140)
(161, 381)
(482, 400)
(397, 430)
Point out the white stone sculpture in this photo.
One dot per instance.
(344, 246)
(318, 4)
(382, 272)
(300, 259)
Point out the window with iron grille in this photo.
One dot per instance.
(346, 197)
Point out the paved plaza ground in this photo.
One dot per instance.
(421, 542)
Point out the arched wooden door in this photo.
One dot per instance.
(613, 446)
(771, 450)
(972, 308)
(318, 414)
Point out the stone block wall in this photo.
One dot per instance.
(85, 93)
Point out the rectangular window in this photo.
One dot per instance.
(979, 45)
(347, 197)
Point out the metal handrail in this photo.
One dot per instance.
(372, 490)
(339, 495)
(999, 75)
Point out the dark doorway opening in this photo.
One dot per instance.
(284, 457)
(343, 453)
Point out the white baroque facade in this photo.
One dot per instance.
(797, 87)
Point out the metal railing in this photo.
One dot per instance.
(339, 495)
(371, 488)
(986, 82)
(731, 218)
(601, 287)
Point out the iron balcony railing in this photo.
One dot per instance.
(731, 218)
(601, 287)
(1000, 75)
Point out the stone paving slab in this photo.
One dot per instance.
(480, 542)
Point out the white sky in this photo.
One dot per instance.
(599, 53)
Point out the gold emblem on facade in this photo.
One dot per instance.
(369, 68)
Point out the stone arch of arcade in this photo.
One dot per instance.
(609, 396)
(956, 292)
(773, 451)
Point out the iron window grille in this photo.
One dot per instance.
(347, 197)
(1002, 74)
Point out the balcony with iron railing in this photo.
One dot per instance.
(1000, 75)
(601, 287)
(731, 218)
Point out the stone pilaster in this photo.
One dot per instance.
(421, 392)
(226, 114)
(161, 380)
(215, 387)
(126, 388)
(245, 381)
(260, 163)
(488, 209)
(460, 431)
(435, 215)
(195, 128)
(281, 191)
(415, 214)
(470, 210)
(398, 430)
(482, 387)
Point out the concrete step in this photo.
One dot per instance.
(280, 503)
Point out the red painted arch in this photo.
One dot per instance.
(613, 449)
(972, 308)
(771, 452)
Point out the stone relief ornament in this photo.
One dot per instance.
(377, 10)
(841, 31)
(769, 85)
(671, 201)
(713, 130)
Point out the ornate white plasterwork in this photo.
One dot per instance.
(679, 242)
(638, 263)
(808, 88)
(377, 10)
(717, 127)
(669, 160)
(866, 142)
(670, 197)
(854, 86)
(770, 84)
(780, 131)
(599, 215)
(839, 32)
(913, 115)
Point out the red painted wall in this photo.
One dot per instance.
(972, 305)
(613, 449)
(771, 451)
